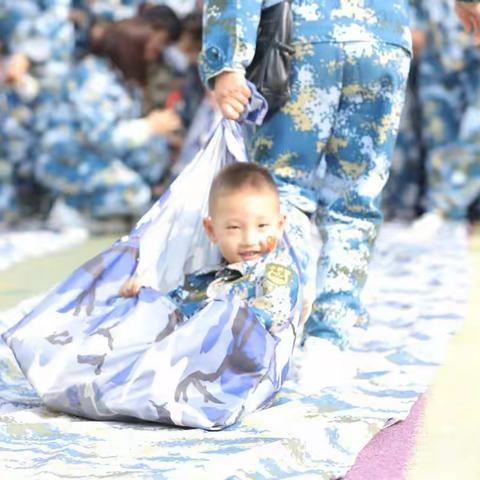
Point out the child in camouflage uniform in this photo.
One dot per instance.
(246, 223)
(205, 354)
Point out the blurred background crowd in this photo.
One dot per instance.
(101, 107)
(98, 103)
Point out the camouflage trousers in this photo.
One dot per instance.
(329, 150)
(436, 103)
(455, 179)
(95, 183)
(17, 147)
(401, 197)
(444, 102)
(7, 191)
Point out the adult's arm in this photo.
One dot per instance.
(229, 40)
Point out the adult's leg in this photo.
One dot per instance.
(444, 98)
(401, 196)
(358, 158)
(292, 141)
(455, 178)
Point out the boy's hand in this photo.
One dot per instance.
(469, 14)
(232, 94)
(131, 287)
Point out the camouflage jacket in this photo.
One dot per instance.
(230, 28)
(448, 44)
(268, 286)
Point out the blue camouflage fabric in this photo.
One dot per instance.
(448, 83)
(329, 147)
(202, 355)
(443, 83)
(455, 169)
(110, 10)
(448, 74)
(41, 31)
(46, 36)
(11, 12)
(401, 196)
(96, 151)
(17, 141)
(269, 288)
(402, 193)
(7, 191)
(91, 353)
(231, 27)
(113, 10)
(44, 33)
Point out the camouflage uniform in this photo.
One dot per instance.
(448, 76)
(17, 142)
(7, 191)
(47, 37)
(269, 289)
(329, 147)
(455, 169)
(113, 10)
(110, 10)
(401, 196)
(40, 30)
(443, 82)
(95, 151)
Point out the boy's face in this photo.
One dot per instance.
(245, 224)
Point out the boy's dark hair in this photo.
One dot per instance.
(240, 175)
(162, 17)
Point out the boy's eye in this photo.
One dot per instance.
(232, 227)
(263, 225)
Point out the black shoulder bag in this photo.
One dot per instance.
(270, 67)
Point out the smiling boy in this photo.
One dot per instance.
(246, 222)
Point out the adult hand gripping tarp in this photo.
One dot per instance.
(89, 352)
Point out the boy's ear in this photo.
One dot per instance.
(208, 225)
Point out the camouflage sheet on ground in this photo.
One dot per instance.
(417, 297)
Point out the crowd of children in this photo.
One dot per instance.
(91, 126)
(95, 103)
(433, 172)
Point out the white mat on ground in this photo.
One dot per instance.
(417, 296)
(16, 246)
